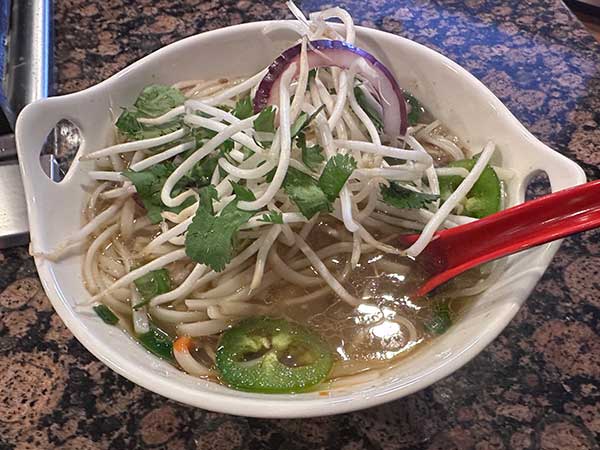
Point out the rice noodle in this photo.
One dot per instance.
(188, 362)
(324, 272)
(202, 328)
(285, 145)
(135, 145)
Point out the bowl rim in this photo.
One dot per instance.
(270, 406)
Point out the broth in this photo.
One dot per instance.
(388, 326)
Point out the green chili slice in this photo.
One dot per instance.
(485, 196)
(157, 342)
(264, 354)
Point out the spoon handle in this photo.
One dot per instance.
(527, 225)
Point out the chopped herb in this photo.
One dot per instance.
(202, 135)
(158, 342)
(265, 122)
(401, 197)
(202, 171)
(129, 126)
(312, 74)
(207, 195)
(312, 157)
(440, 321)
(298, 124)
(148, 184)
(270, 175)
(155, 100)
(335, 174)
(305, 192)
(303, 121)
(272, 217)
(152, 284)
(242, 192)
(209, 239)
(106, 314)
(364, 103)
(416, 110)
(243, 108)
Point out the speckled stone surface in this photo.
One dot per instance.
(536, 387)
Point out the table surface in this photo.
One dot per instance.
(536, 386)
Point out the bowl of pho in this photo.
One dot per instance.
(227, 235)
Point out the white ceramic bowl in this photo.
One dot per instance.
(452, 94)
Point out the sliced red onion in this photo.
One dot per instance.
(327, 53)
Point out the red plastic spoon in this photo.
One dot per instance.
(532, 223)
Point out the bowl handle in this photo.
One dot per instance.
(89, 111)
(562, 172)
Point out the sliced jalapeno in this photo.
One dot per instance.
(264, 354)
(485, 196)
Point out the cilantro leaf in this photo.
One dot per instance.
(298, 124)
(272, 217)
(153, 101)
(243, 108)
(202, 171)
(209, 239)
(305, 192)
(148, 184)
(312, 157)
(401, 197)
(201, 135)
(156, 99)
(242, 192)
(106, 314)
(207, 195)
(416, 110)
(270, 175)
(373, 114)
(335, 174)
(303, 121)
(265, 122)
(440, 320)
(152, 284)
(130, 127)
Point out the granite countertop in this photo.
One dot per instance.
(535, 387)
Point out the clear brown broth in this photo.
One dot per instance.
(371, 336)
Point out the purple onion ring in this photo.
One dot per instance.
(340, 54)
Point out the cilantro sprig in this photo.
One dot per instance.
(401, 197)
(153, 101)
(265, 122)
(210, 239)
(148, 184)
(312, 156)
(243, 108)
(335, 174)
(305, 192)
(312, 196)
